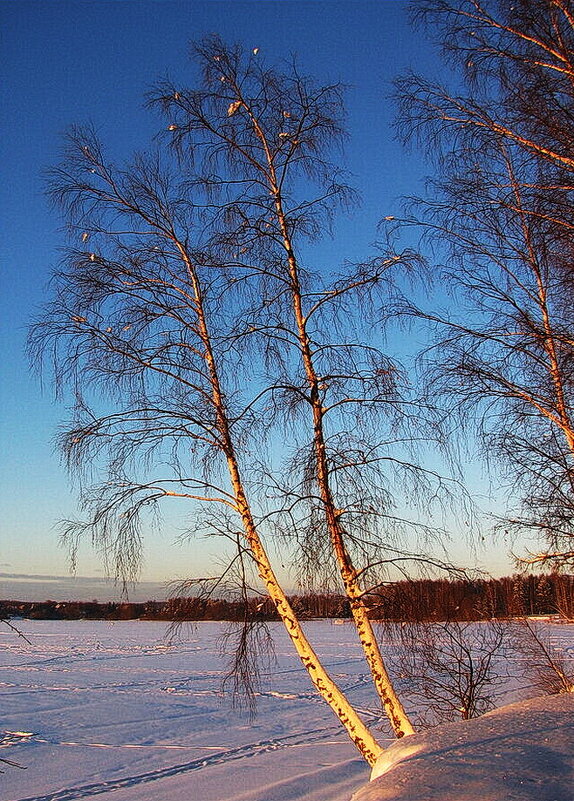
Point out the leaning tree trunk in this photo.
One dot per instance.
(324, 684)
(393, 707)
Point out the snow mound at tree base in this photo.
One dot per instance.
(523, 752)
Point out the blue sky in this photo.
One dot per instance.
(76, 61)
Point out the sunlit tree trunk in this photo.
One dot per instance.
(326, 687)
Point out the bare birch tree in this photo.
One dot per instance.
(194, 336)
(337, 389)
(142, 317)
(501, 205)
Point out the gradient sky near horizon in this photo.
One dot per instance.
(77, 61)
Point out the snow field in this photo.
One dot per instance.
(95, 709)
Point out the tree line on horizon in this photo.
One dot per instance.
(423, 600)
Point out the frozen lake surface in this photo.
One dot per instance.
(93, 708)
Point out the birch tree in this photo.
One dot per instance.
(140, 315)
(195, 336)
(334, 381)
(501, 204)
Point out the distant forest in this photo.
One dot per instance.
(423, 600)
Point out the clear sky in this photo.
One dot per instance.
(76, 61)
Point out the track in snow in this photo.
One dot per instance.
(220, 757)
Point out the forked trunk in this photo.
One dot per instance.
(323, 683)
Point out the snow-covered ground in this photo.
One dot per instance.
(521, 752)
(93, 708)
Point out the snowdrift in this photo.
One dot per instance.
(523, 752)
